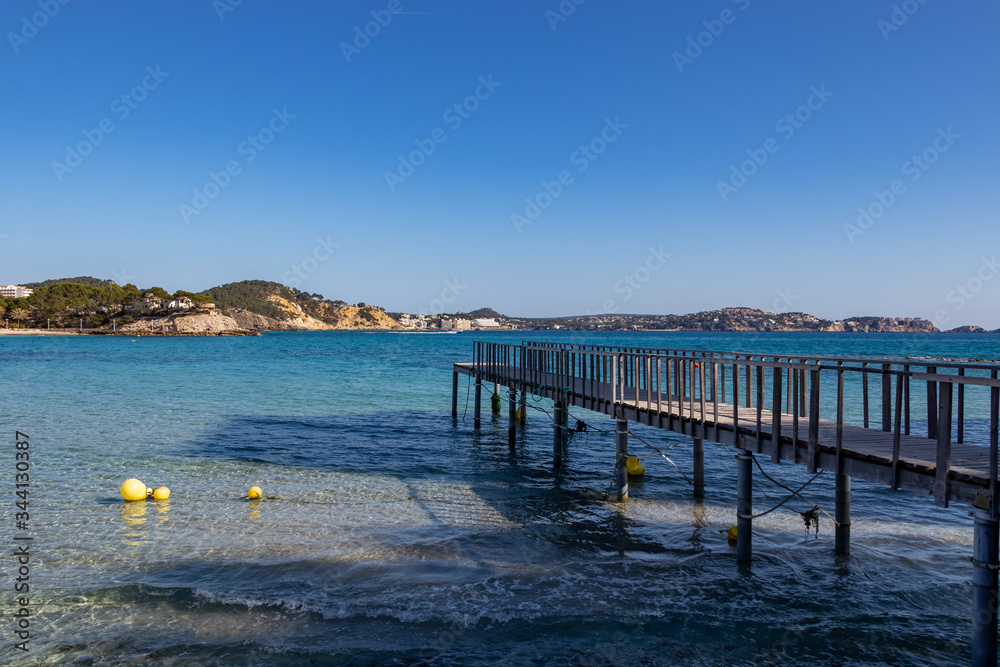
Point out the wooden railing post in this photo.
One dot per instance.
(776, 377)
(943, 470)
(813, 452)
(896, 434)
(994, 437)
(864, 392)
(736, 403)
(932, 405)
(759, 446)
(840, 418)
(886, 398)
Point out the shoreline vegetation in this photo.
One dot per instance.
(90, 306)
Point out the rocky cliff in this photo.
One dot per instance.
(294, 318)
(204, 324)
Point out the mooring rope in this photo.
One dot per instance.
(669, 460)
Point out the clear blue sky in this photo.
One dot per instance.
(676, 119)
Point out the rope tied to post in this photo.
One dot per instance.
(986, 566)
(809, 517)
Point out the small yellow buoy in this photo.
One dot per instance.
(731, 533)
(162, 493)
(634, 466)
(254, 492)
(149, 492)
(133, 489)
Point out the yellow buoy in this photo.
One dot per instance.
(254, 492)
(731, 533)
(133, 489)
(162, 493)
(634, 466)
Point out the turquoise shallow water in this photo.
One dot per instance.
(398, 537)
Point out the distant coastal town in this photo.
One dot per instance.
(102, 307)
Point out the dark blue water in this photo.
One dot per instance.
(398, 537)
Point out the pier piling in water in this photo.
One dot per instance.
(478, 408)
(454, 394)
(621, 447)
(511, 416)
(565, 421)
(842, 514)
(557, 435)
(699, 467)
(986, 559)
(744, 504)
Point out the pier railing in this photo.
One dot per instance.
(691, 385)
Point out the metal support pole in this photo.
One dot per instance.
(699, 467)
(985, 558)
(621, 470)
(557, 436)
(478, 409)
(524, 407)
(565, 420)
(511, 416)
(454, 394)
(842, 541)
(744, 504)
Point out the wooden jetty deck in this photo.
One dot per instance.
(791, 408)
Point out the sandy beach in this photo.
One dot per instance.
(38, 332)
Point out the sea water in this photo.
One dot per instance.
(390, 534)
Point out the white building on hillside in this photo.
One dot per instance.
(486, 323)
(457, 324)
(16, 291)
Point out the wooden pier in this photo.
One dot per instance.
(792, 408)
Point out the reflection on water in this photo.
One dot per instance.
(161, 507)
(254, 504)
(133, 516)
(134, 512)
